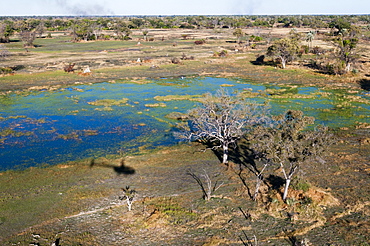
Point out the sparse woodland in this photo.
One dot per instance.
(246, 177)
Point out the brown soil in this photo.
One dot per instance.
(169, 209)
(155, 60)
(79, 204)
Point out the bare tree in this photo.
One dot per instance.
(29, 32)
(289, 144)
(129, 196)
(205, 183)
(3, 52)
(221, 121)
(28, 37)
(259, 173)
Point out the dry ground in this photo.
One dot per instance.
(169, 209)
(78, 203)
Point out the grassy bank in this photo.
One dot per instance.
(78, 202)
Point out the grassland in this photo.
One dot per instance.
(78, 202)
(113, 59)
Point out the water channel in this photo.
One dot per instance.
(111, 118)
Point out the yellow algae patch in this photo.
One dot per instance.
(63, 166)
(291, 95)
(358, 99)
(155, 105)
(178, 98)
(250, 94)
(323, 94)
(104, 109)
(141, 81)
(108, 102)
(140, 124)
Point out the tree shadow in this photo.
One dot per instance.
(17, 67)
(260, 61)
(275, 182)
(245, 158)
(365, 83)
(211, 145)
(119, 169)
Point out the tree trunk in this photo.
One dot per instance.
(287, 183)
(283, 63)
(258, 184)
(348, 67)
(225, 154)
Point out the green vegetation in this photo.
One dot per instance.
(79, 203)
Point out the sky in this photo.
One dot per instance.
(181, 7)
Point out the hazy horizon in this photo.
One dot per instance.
(182, 7)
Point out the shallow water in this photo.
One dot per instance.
(82, 121)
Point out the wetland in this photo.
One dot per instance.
(69, 143)
(90, 121)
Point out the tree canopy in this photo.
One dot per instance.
(221, 120)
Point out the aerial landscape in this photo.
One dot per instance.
(184, 123)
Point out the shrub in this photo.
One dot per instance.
(299, 184)
(106, 37)
(220, 54)
(255, 38)
(5, 70)
(305, 49)
(176, 60)
(318, 50)
(199, 42)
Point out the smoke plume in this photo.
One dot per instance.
(82, 9)
(247, 7)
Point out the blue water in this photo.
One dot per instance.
(51, 127)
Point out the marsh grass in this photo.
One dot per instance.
(121, 56)
(38, 200)
(48, 193)
(169, 203)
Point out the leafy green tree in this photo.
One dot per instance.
(285, 49)
(145, 34)
(346, 51)
(138, 22)
(6, 30)
(238, 33)
(122, 31)
(309, 38)
(340, 25)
